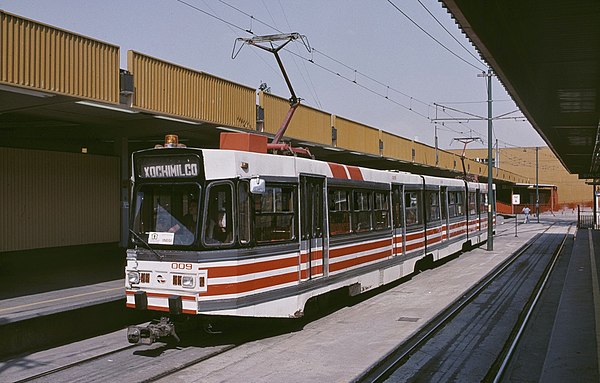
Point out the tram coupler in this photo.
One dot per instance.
(157, 329)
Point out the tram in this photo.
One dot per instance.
(240, 232)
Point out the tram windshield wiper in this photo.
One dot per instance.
(146, 243)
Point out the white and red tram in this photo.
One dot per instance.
(239, 233)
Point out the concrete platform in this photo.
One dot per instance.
(52, 302)
(573, 353)
(58, 295)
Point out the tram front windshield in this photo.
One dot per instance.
(166, 215)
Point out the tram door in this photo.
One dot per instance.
(398, 218)
(445, 213)
(312, 246)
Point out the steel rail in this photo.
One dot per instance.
(173, 370)
(74, 364)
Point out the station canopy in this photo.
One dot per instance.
(546, 53)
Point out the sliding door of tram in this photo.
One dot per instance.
(433, 215)
(414, 238)
(398, 218)
(312, 246)
(472, 212)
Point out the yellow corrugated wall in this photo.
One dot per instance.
(571, 189)
(449, 160)
(307, 124)
(57, 199)
(37, 56)
(396, 147)
(356, 136)
(170, 89)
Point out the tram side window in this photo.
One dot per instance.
(460, 203)
(361, 215)
(381, 212)
(433, 205)
(472, 204)
(274, 214)
(397, 207)
(218, 226)
(483, 202)
(244, 212)
(455, 204)
(452, 204)
(411, 201)
(339, 211)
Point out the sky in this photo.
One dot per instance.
(383, 63)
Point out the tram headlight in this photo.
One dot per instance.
(188, 281)
(133, 277)
(171, 141)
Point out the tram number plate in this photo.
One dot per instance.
(181, 266)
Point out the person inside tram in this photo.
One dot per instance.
(190, 219)
(217, 230)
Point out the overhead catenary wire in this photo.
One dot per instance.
(231, 26)
(310, 85)
(314, 50)
(433, 38)
(354, 76)
(312, 61)
(451, 35)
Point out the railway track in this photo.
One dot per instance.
(74, 364)
(138, 363)
(474, 339)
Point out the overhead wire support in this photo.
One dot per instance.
(465, 141)
(490, 228)
(459, 111)
(266, 43)
(287, 38)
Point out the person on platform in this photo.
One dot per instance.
(526, 212)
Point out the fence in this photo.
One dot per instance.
(587, 219)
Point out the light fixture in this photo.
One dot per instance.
(228, 129)
(104, 106)
(333, 148)
(178, 120)
(25, 91)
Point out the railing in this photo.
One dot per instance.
(586, 219)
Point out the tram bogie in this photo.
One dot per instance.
(238, 233)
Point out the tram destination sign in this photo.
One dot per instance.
(168, 167)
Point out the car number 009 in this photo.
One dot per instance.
(181, 266)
